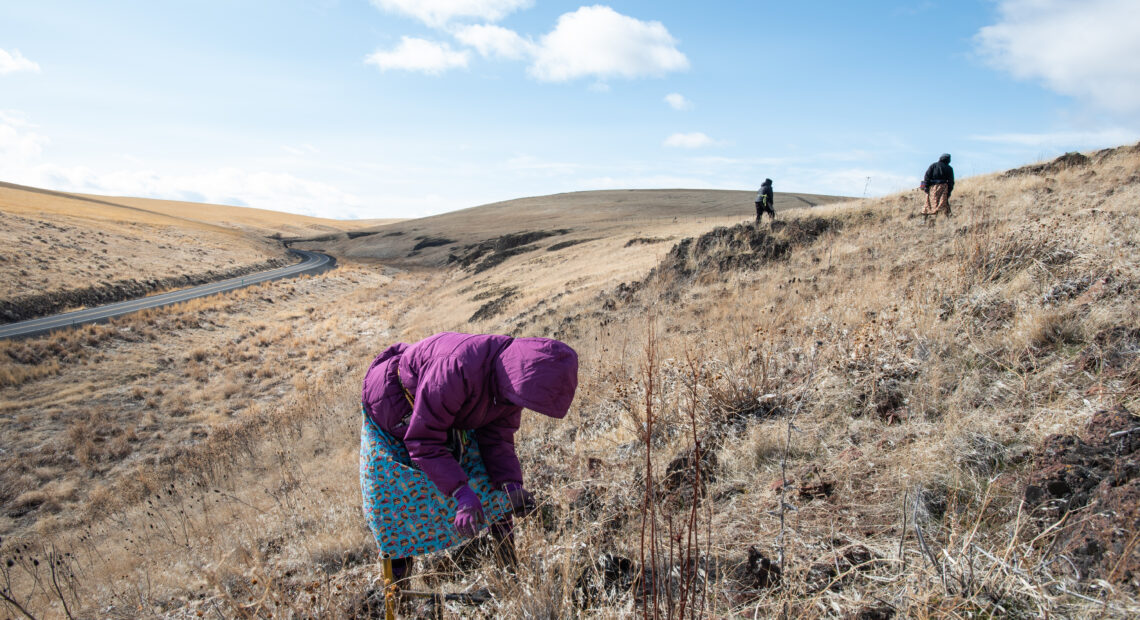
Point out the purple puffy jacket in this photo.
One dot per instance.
(465, 381)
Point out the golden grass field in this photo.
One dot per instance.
(910, 384)
(55, 241)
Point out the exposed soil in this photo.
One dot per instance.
(1092, 482)
(492, 252)
(494, 307)
(430, 242)
(562, 245)
(645, 241)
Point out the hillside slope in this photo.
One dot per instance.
(889, 419)
(64, 250)
(572, 217)
(252, 221)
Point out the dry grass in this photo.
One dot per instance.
(927, 365)
(259, 222)
(57, 242)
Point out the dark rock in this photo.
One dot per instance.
(492, 252)
(610, 576)
(681, 474)
(644, 241)
(877, 612)
(839, 568)
(814, 484)
(492, 308)
(431, 242)
(1064, 162)
(1099, 474)
(759, 572)
(562, 245)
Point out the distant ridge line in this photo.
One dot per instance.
(58, 194)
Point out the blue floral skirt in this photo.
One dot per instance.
(405, 511)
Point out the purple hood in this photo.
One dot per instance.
(538, 373)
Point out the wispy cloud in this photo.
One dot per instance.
(22, 160)
(14, 61)
(301, 151)
(20, 145)
(694, 140)
(1063, 139)
(677, 101)
(496, 42)
(419, 55)
(438, 13)
(1082, 49)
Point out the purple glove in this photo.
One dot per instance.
(468, 512)
(522, 502)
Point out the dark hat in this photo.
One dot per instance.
(945, 157)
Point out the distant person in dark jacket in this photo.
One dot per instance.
(765, 201)
(938, 185)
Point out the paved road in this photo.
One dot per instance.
(311, 263)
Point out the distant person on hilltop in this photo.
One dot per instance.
(938, 185)
(437, 452)
(765, 201)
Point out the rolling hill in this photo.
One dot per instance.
(574, 216)
(849, 413)
(64, 250)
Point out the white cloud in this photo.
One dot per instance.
(437, 13)
(301, 151)
(1064, 140)
(276, 191)
(1084, 49)
(22, 151)
(496, 42)
(11, 62)
(594, 41)
(600, 42)
(677, 101)
(414, 54)
(693, 140)
(20, 145)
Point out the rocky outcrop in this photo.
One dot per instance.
(1088, 487)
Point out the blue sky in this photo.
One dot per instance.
(405, 108)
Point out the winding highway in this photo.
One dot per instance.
(311, 263)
